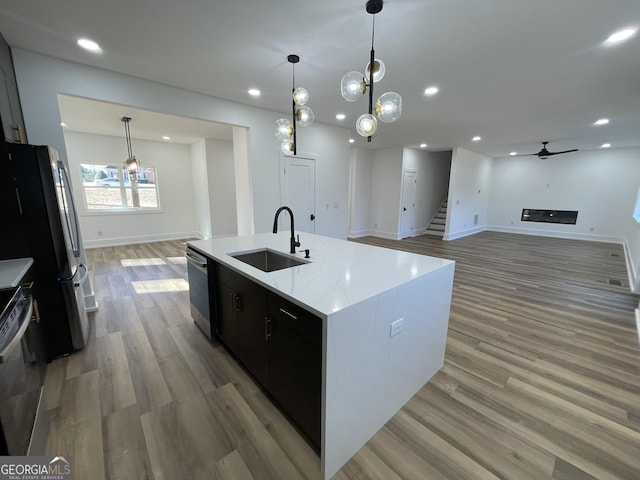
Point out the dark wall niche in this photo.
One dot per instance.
(568, 217)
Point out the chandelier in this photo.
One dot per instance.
(354, 84)
(301, 114)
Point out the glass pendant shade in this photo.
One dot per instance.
(352, 86)
(131, 165)
(378, 70)
(389, 107)
(300, 96)
(287, 147)
(304, 116)
(284, 129)
(366, 125)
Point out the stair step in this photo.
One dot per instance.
(436, 233)
(438, 221)
(436, 227)
(441, 215)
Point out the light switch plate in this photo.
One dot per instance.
(396, 327)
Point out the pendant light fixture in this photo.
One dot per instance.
(301, 114)
(354, 84)
(131, 165)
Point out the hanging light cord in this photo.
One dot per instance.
(128, 137)
(293, 107)
(372, 63)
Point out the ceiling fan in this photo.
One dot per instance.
(544, 153)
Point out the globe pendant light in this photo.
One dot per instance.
(301, 114)
(388, 107)
(131, 165)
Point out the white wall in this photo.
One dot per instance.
(200, 177)
(433, 169)
(173, 167)
(469, 186)
(41, 79)
(222, 188)
(361, 175)
(386, 185)
(602, 185)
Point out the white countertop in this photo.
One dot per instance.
(12, 271)
(341, 273)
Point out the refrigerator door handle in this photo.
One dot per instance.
(70, 209)
(77, 283)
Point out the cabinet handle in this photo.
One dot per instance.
(267, 329)
(289, 314)
(236, 302)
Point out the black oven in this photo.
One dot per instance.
(24, 423)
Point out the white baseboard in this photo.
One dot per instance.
(360, 234)
(463, 233)
(112, 242)
(557, 234)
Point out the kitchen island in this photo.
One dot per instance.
(384, 317)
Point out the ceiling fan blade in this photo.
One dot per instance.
(563, 151)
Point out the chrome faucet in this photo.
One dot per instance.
(294, 243)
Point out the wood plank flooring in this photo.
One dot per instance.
(541, 377)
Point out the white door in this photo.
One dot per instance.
(298, 184)
(408, 213)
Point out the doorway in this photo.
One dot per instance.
(297, 191)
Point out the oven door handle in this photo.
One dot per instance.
(24, 323)
(200, 264)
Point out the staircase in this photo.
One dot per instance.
(436, 226)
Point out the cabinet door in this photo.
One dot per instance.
(227, 319)
(242, 313)
(252, 328)
(295, 364)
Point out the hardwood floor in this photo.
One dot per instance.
(541, 377)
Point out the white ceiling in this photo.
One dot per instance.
(515, 72)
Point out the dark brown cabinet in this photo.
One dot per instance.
(278, 342)
(295, 363)
(242, 320)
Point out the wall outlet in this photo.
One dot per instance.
(396, 327)
(99, 233)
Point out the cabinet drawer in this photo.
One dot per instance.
(298, 319)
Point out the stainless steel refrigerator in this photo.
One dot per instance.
(44, 225)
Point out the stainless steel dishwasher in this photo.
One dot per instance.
(199, 290)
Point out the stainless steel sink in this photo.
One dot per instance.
(268, 260)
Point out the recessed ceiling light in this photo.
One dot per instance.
(513, 154)
(89, 45)
(165, 137)
(605, 145)
(341, 116)
(431, 91)
(62, 124)
(254, 92)
(423, 145)
(476, 139)
(620, 36)
(351, 140)
(601, 121)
